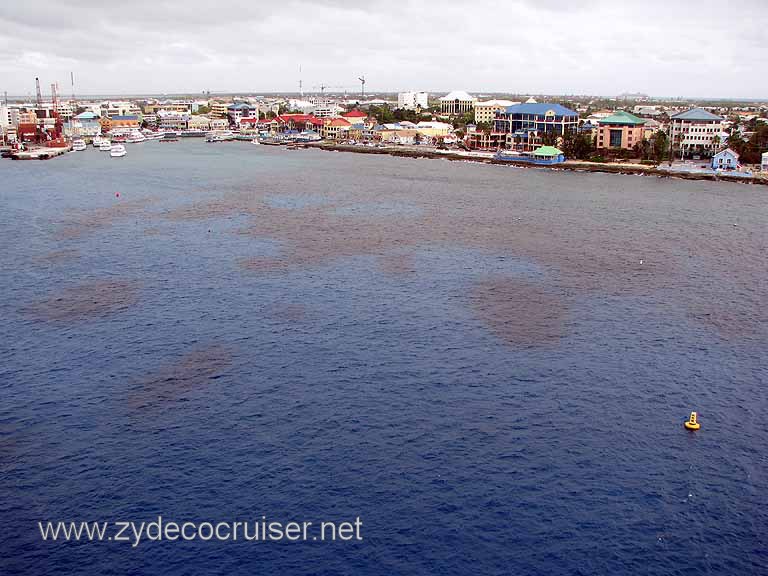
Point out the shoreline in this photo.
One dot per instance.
(573, 165)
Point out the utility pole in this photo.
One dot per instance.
(362, 84)
(72, 79)
(301, 86)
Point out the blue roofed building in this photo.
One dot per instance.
(236, 112)
(83, 125)
(696, 132)
(526, 124)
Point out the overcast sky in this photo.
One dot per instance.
(663, 48)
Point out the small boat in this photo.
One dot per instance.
(117, 151)
(135, 136)
(96, 141)
(105, 145)
(255, 141)
(219, 136)
(193, 133)
(169, 137)
(79, 145)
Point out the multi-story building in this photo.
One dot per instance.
(486, 111)
(199, 122)
(620, 130)
(85, 124)
(525, 124)
(335, 128)
(172, 120)
(9, 117)
(219, 123)
(218, 109)
(236, 112)
(355, 117)
(456, 103)
(696, 132)
(413, 100)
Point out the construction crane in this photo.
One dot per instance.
(39, 93)
(362, 86)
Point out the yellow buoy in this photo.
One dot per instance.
(692, 423)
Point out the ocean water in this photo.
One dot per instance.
(489, 366)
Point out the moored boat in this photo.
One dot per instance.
(105, 145)
(117, 151)
(219, 136)
(135, 137)
(78, 145)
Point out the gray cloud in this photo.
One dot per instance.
(686, 47)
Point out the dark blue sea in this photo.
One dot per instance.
(489, 366)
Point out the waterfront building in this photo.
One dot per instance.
(85, 124)
(335, 128)
(241, 110)
(524, 124)
(486, 111)
(219, 123)
(456, 103)
(621, 130)
(128, 121)
(725, 160)
(172, 120)
(413, 100)
(433, 129)
(696, 132)
(298, 122)
(198, 122)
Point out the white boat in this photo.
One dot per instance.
(149, 135)
(105, 145)
(79, 145)
(219, 136)
(135, 136)
(255, 141)
(117, 151)
(96, 141)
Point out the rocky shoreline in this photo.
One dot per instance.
(575, 165)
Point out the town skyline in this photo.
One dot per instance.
(683, 50)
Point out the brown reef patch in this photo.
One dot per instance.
(87, 300)
(520, 312)
(194, 370)
(98, 218)
(58, 256)
(397, 264)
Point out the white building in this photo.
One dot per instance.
(9, 117)
(413, 100)
(172, 120)
(764, 163)
(456, 103)
(486, 111)
(303, 106)
(696, 131)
